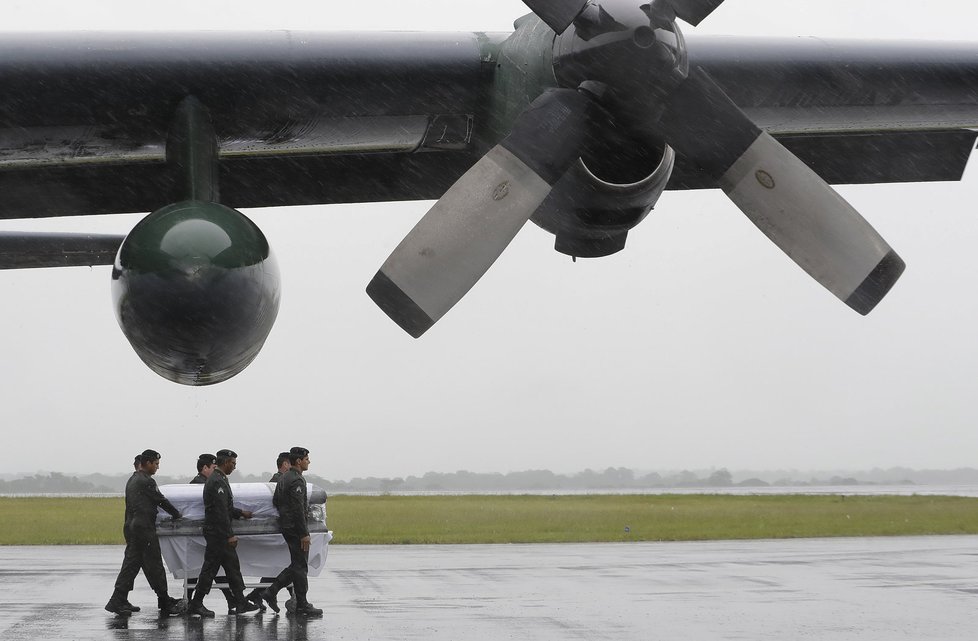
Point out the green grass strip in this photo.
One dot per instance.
(544, 519)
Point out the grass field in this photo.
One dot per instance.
(540, 519)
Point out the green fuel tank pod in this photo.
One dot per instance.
(195, 284)
(196, 291)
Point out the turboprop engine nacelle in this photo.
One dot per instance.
(605, 194)
(618, 179)
(196, 291)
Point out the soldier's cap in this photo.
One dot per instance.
(284, 454)
(149, 455)
(138, 459)
(227, 454)
(207, 457)
(298, 452)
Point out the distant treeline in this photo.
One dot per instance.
(530, 480)
(55, 483)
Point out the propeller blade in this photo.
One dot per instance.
(813, 224)
(781, 195)
(693, 11)
(558, 14)
(457, 241)
(26, 250)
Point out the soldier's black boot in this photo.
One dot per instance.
(118, 604)
(255, 597)
(244, 606)
(307, 609)
(169, 606)
(197, 608)
(269, 596)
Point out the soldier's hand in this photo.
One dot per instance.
(304, 541)
(246, 514)
(233, 541)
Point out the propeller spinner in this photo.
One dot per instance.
(636, 54)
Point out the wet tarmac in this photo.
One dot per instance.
(867, 589)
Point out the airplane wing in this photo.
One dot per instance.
(652, 110)
(856, 112)
(300, 118)
(309, 118)
(578, 121)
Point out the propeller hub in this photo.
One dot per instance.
(638, 52)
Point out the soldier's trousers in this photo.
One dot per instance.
(142, 552)
(298, 571)
(219, 554)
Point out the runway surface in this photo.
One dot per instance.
(867, 589)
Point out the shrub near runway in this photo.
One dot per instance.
(544, 519)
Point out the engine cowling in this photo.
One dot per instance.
(196, 290)
(611, 188)
(608, 191)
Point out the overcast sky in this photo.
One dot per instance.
(701, 345)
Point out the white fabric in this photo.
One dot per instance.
(260, 554)
(264, 554)
(256, 497)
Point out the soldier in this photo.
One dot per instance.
(220, 552)
(143, 498)
(205, 465)
(292, 503)
(283, 464)
(136, 462)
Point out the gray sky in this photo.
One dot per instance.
(700, 345)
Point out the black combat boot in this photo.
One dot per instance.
(307, 609)
(170, 607)
(268, 595)
(118, 605)
(244, 606)
(255, 597)
(198, 609)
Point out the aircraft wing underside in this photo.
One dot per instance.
(579, 133)
(330, 118)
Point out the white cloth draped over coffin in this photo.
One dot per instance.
(261, 548)
(260, 554)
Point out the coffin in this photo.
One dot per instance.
(261, 547)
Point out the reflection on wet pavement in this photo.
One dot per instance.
(245, 628)
(868, 589)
